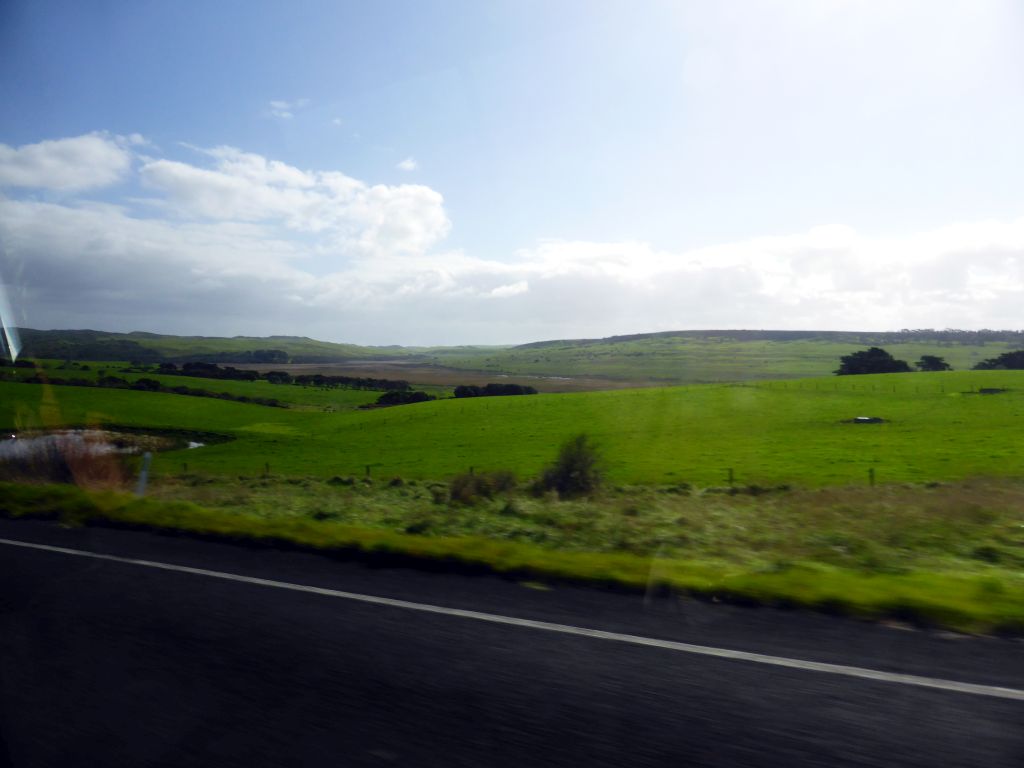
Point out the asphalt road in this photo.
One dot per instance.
(109, 663)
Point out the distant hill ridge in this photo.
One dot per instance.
(850, 337)
(143, 346)
(664, 356)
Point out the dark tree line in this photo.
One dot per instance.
(248, 356)
(214, 371)
(151, 385)
(877, 360)
(396, 397)
(207, 371)
(493, 390)
(349, 382)
(406, 397)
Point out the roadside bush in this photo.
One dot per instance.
(511, 509)
(469, 488)
(576, 472)
(438, 494)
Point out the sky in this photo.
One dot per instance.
(446, 172)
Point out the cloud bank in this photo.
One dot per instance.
(233, 242)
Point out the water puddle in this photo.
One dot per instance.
(94, 442)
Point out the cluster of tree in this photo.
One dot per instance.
(278, 377)
(877, 360)
(207, 371)
(151, 385)
(493, 390)
(1008, 361)
(933, 363)
(402, 397)
(214, 371)
(873, 360)
(349, 382)
(249, 356)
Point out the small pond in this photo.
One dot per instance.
(97, 442)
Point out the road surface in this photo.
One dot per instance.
(221, 655)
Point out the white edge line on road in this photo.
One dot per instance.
(565, 629)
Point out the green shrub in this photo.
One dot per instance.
(576, 472)
(510, 509)
(469, 488)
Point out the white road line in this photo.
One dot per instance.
(565, 629)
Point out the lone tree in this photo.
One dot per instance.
(933, 363)
(873, 360)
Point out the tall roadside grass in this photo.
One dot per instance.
(988, 598)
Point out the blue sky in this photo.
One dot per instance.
(513, 170)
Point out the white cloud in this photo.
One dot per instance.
(409, 164)
(353, 217)
(82, 162)
(240, 243)
(512, 289)
(286, 109)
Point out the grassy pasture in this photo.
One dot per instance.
(770, 433)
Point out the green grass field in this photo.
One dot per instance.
(937, 429)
